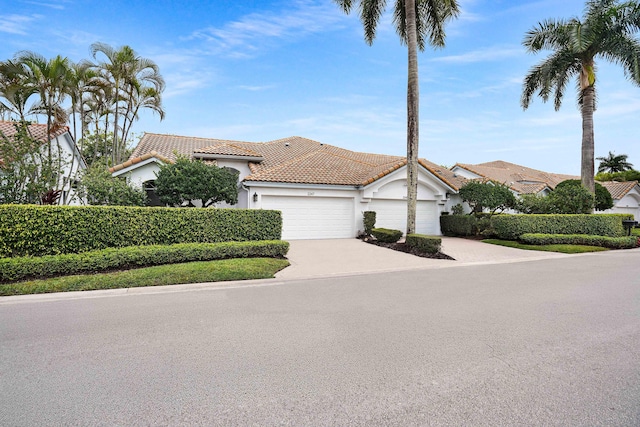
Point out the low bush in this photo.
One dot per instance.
(28, 230)
(19, 268)
(626, 242)
(386, 235)
(423, 243)
(511, 227)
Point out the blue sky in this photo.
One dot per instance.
(259, 70)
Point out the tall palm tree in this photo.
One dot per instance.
(128, 73)
(613, 163)
(417, 22)
(607, 31)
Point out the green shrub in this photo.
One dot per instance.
(626, 242)
(13, 269)
(603, 199)
(458, 225)
(457, 209)
(386, 235)
(423, 243)
(52, 230)
(511, 227)
(369, 222)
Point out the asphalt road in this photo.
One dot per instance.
(553, 342)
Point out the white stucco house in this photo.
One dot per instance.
(626, 197)
(523, 180)
(64, 147)
(321, 190)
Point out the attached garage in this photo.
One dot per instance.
(393, 214)
(313, 217)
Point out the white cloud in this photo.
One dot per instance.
(16, 24)
(249, 34)
(56, 6)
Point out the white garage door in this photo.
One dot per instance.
(393, 214)
(313, 217)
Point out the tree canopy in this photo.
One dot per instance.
(489, 195)
(612, 163)
(186, 181)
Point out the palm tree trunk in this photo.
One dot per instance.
(412, 116)
(587, 168)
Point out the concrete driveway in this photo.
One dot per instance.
(322, 258)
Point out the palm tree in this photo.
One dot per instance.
(417, 22)
(14, 90)
(129, 74)
(606, 31)
(613, 163)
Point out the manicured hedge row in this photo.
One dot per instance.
(626, 242)
(386, 235)
(423, 243)
(52, 230)
(458, 225)
(19, 268)
(511, 227)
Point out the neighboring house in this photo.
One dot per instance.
(71, 159)
(626, 197)
(322, 190)
(520, 179)
(524, 180)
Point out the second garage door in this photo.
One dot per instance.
(313, 217)
(393, 214)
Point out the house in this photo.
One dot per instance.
(63, 147)
(626, 197)
(520, 179)
(524, 180)
(321, 190)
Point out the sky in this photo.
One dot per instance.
(259, 70)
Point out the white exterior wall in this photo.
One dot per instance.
(629, 204)
(72, 166)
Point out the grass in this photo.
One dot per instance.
(565, 249)
(192, 272)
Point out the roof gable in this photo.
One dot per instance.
(619, 189)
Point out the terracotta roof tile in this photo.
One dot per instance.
(38, 131)
(293, 159)
(134, 160)
(520, 178)
(619, 189)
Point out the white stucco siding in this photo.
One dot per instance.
(629, 204)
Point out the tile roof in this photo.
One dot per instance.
(38, 131)
(619, 189)
(293, 160)
(134, 160)
(520, 178)
(171, 145)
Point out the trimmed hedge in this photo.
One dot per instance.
(386, 235)
(369, 221)
(423, 243)
(19, 268)
(626, 242)
(458, 225)
(511, 227)
(52, 230)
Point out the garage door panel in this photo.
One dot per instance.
(393, 214)
(313, 217)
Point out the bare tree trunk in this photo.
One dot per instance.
(587, 168)
(412, 116)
